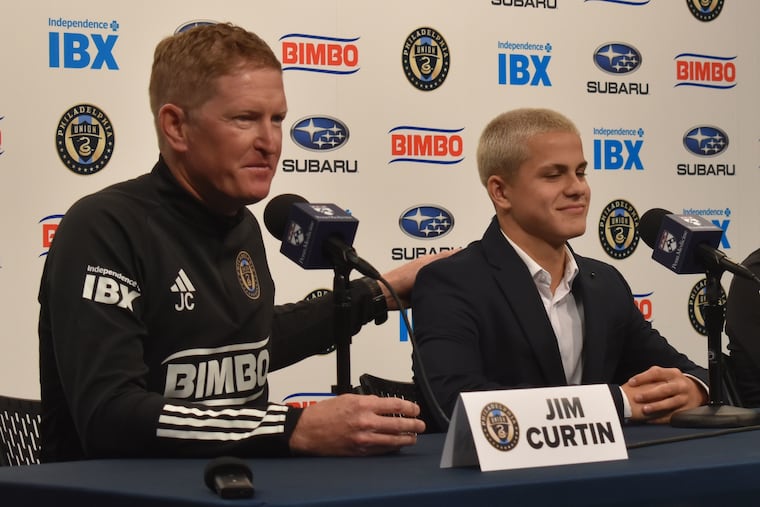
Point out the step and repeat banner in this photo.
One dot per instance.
(386, 104)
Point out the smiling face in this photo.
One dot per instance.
(546, 200)
(227, 149)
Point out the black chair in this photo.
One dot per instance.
(370, 384)
(19, 431)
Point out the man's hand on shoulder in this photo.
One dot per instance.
(402, 278)
(356, 425)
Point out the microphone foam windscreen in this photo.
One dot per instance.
(277, 212)
(650, 223)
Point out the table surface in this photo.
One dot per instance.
(722, 470)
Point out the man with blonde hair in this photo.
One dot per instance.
(157, 321)
(520, 309)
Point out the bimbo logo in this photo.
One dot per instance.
(76, 50)
(636, 3)
(706, 71)
(316, 53)
(426, 145)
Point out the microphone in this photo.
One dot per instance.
(687, 244)
(315, 236)
(229, 477)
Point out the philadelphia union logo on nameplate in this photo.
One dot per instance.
(425, 59)
(499, 426)
(85, 139)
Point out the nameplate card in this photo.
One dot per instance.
(523, 428)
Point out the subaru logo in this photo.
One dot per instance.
(705, 141)
(617, 58)
(319, 133)
(426, 221)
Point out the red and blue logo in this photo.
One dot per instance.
(317, 53)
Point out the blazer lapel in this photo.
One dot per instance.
(586, 289)
(519, 289)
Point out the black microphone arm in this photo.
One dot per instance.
(714, 258)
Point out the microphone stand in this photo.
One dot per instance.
(342, 324)
(716, 414)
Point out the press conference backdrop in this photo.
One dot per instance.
(386, 103)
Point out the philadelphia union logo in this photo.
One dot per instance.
(698, 305)
(619, 229)
(84, 139)
(425, 59)
(705, 10)
(246, 273)
(499, 426)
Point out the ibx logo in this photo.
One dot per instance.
(705, 141)
(719, 218)
(612, 151)
(49, 227)
(705, 10)
(524, 63)
(109, 287)
(319, 134)
(317, 53)
(424, 145)
(423, 221)
(706, 71)
(619, 59)
(82, 49)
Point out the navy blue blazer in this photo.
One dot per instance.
(480, 324)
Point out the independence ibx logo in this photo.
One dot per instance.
(426, 59)
(524, 63)
(619, 59)
(619, 229)
(49, 226)
(618, 148)
(705, 141)
(85, 139)
(426, 221)
(317, 53)
(319, 133)
(707, 71)
(81, 44)
(719, 217)
(705, 10)
(192, 24)
(425, 145)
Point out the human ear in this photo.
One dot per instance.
(171, 124)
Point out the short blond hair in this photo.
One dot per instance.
(185, 65)
(502, 146)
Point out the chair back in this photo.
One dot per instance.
(19, 431)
